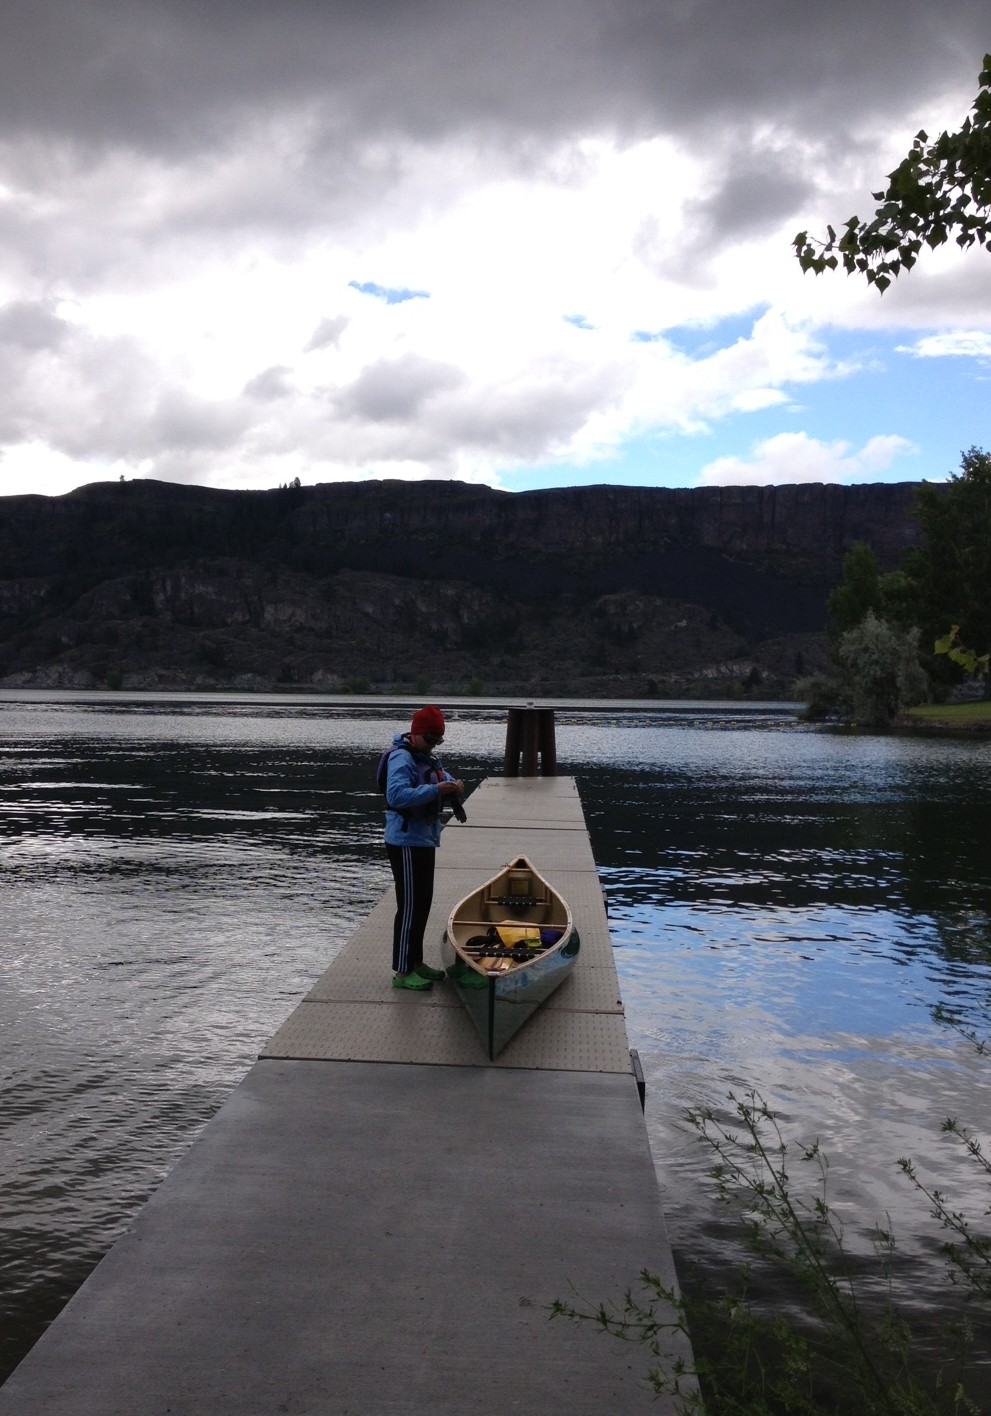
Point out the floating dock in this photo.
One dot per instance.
(377, 1220)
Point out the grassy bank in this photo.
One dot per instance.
(958, 717)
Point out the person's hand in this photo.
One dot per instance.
(452, 788)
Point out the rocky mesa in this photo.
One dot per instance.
(439, 586)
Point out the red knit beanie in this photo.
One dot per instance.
(427, 720)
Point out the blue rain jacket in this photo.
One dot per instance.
(411, 785)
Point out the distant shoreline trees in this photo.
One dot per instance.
(920, 630)
(950, 574)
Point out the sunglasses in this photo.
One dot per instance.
(432, 739)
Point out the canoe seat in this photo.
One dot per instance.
(519, 892)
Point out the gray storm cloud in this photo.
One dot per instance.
(31, 325)
(394, 389)
(140, 141)
(169, 76)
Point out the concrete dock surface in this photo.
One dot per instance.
(378, 1218)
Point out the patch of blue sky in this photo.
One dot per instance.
(391, 294)
(651, 460)
(579, 321)
(699, 341)
(938, 405)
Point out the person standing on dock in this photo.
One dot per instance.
(415, 786)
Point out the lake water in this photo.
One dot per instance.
(788, 906)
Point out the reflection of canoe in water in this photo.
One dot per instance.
(508, 945)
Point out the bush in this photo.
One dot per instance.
(822, 697)
(848, 1350)
(882, 668)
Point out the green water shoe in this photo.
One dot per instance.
(471, 979)
(426, 971)
(414, 981)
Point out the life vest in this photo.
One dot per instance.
(428, 770)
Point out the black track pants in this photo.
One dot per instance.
(413, 872)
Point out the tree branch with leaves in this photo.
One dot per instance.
(940, 189)
(968, 659)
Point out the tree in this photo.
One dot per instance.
(858, 591)
(951, 572)
(822, 696)
(862, 588)
(939, 189)
(873, 642)
(882, 670)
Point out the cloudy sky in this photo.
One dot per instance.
(534, 243)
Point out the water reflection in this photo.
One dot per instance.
(787, 909)
(787, 914)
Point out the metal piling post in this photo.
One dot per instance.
(530, 746)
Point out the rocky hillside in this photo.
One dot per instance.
(439, 585)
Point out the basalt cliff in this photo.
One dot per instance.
(432, 586)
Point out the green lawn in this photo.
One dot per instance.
(953, 714)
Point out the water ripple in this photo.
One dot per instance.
(788, 908)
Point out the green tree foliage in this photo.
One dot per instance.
(950, 573)
(940, 189)
(822, 696)
(863, 588)
(858, 591)
(898, 600)
(942, 591)
(873, 644)
(969, 661)
(882, 670)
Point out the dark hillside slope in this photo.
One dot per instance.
(147, 582)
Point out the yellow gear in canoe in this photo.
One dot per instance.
(511, 934)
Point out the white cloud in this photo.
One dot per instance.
(261, 368)
(33, 467)
(795, 457)
(956, 343)
(422, 240)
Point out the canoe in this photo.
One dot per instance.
(508, 945)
